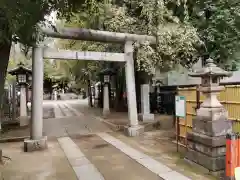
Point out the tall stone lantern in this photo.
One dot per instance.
(106, 77)
(23, 75)
(206, 142)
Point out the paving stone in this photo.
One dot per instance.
(111, 162)
(173, 175)
(75, 162)
(87, 172)
(81, 165)
(154, 165)
(148, 162)
(70, 148)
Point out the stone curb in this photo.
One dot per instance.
(13, 139)
(117, 127)
(114, 126)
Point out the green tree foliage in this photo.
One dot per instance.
(184, 30)
(177, 41)
(19, 18)
(218, 25)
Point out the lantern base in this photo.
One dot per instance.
(213, 164)
(212, 122)
(206, 151)
(207, 142)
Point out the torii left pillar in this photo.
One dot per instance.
(36, 140)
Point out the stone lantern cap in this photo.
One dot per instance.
(210, 69)
(107, 71)
(20, 69)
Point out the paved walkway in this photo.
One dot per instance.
(69, 121)
(82, 149)
(100, 145)
(50, 164)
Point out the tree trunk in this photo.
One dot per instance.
(120, 86)
(4, 58)
(90, 94)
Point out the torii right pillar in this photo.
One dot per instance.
(206, 143)
(133, 128)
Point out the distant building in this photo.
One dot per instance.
(179, 76)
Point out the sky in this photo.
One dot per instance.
(50, 41)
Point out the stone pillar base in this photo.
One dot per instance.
(1, 155)
(133, 130)
(35, 145)
(146, 117)
(106, 113)
(24, 121)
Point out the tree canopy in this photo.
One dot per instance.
(177, 41)
(19, 18)
(218, 26)
(185, 30)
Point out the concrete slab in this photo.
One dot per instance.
(173, 175)
(50, 164)
(111, 162)
(79, 161)
(158, 145)
(87, 172)
(57, 111)
(82, 167)
(66, 110)
(148, 162)
(153, 165)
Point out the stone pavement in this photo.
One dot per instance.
(157, 144)
(84, 148)
(119, 119)
(42, 165)
(69, 121)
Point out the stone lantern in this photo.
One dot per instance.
(106, 74)
(206, 142)
(23, 76)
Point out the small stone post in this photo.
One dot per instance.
(36, 141)
(106, 108)
(145, 115)
(107, 75)
(55, 95)
(206, 142)
(24, 121)
(14, 101)
(133, 129)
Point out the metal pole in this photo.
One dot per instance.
(177, 132)
(37, 94)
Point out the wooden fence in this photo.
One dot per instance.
(230, 98)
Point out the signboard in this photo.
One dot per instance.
(180, 106)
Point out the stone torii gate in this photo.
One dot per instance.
(37, 141)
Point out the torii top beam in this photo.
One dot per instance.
(96, 35)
